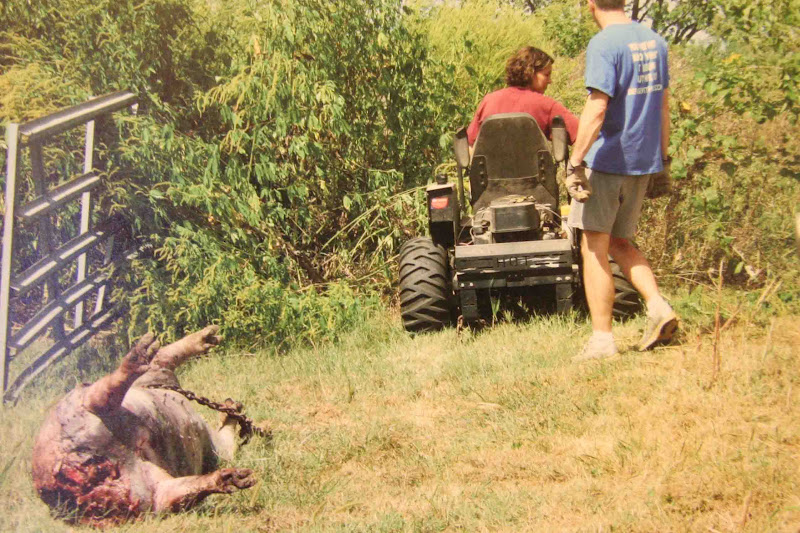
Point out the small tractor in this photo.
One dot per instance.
(512, 249)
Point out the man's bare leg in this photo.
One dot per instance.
(635, 267)
(597, 279)
(599, 287)
(661, 319)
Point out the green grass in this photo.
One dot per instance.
(495, 430)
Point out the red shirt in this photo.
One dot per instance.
(518, 100)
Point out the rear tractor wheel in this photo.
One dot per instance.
(425, 287)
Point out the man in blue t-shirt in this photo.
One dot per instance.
(620, 150)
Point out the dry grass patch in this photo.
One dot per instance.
(498, 431)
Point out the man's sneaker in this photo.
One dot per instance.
(660, 327)
(596, 348)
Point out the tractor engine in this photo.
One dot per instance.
(513, 218)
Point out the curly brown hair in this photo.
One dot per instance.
(610, 5)
(521, 67)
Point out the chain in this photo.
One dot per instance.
(246, 426)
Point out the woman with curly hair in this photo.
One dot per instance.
(527, 76)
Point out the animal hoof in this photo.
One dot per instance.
(236, 478)
(138, 359)
(209, 338)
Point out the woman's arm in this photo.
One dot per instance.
(570, 120)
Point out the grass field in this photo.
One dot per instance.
(495, 431)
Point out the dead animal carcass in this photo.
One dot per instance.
(119, 447)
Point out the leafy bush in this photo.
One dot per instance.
(569, 26)
(735, 175)
(753, 64)
(281, 163)
(316, 136)
(471, 42)
(70, 49)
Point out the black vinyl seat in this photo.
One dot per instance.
(512, 156)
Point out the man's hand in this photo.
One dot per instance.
(577, 183)
(661, 182)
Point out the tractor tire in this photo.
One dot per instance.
(425, 288)
(627, 302)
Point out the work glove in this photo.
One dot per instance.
(577, 183)
(660, 182)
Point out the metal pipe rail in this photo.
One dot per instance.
(54, 258)
(43, 128)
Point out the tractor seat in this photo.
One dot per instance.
(512, 156)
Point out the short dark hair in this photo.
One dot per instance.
(610, 5)
(521, 67)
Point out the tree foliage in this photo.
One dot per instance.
(279, 162)
(676, 21)
(570, 26)
(734, 130)
(322, 121)
(79, 48)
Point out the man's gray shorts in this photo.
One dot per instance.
(614, 206)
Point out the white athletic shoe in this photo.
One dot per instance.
(596, 348)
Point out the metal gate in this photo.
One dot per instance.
(52, 259)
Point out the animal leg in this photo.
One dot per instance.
(107, 393)
(172, 356)
(224, 439)
(181, 493)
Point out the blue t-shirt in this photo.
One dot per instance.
(628, 62)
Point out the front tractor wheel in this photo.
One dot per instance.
(425, 291)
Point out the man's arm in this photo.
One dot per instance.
(665, 124)
(594, 112)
